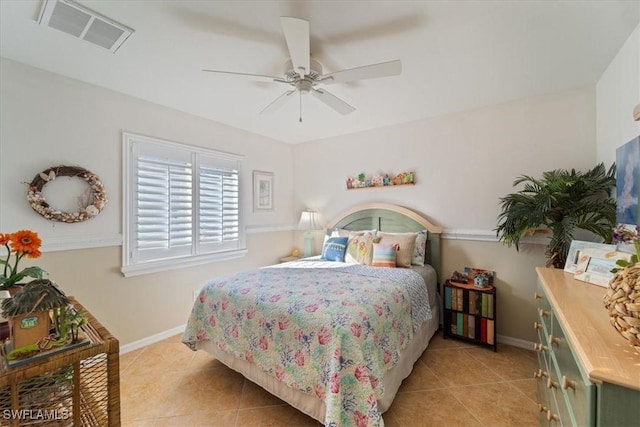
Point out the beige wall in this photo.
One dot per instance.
(463, 164)
(138, 307)
(47, 120)
(617, 93)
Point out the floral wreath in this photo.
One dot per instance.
(90, 204)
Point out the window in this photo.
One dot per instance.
(181, 205)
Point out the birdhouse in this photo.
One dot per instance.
(28, 312)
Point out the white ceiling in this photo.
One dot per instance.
(455, 55)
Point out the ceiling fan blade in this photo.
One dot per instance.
(255, 76)
(278, 102)
(296, 32)
(373, 71)
(333, 101)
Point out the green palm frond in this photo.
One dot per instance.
(561, 201)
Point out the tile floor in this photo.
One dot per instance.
(453, 384)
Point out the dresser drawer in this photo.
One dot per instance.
(544, 308)
(579, 391)
(554, 387)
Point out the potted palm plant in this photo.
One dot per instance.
(560, 203)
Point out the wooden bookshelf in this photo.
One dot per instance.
(470, 313)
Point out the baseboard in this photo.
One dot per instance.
(527, 345)
(152, 339)
(502, 339)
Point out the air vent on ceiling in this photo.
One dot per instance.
(83, 23)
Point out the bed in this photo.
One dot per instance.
(333, 339)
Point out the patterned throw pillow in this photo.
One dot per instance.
(341, 232)
(360, 248)
(334, 248)
(419, 248)
(405, 242)
(384, 255)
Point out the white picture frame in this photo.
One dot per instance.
(576, 249)
(595, 265)
(262, 191)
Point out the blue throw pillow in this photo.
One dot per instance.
(334, 248)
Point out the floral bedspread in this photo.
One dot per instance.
(331, 333)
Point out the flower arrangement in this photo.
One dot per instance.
(22, 243)
(625, 234)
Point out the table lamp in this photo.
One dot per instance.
(308, 223)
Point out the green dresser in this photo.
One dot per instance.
(588, 374)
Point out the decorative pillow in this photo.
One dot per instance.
(360, 248)
(405, 242)
(341, 232)
(334, 248)
(384, 255)
(419, 248)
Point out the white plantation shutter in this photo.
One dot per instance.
(182, 205)
(219, 207)
(164, 208)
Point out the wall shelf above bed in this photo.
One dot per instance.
(380, 186)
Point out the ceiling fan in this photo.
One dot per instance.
(304, 74)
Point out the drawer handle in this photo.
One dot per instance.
(537, 295)
(552, 417)
(537, 325)
(543, 312)
(567, 384)
(542, 408)
(554, 340)
(540, 374)
(552, 384)
(539, 347)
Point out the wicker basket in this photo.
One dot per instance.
(622, 299)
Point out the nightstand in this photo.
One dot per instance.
(470, 313)
(289, 258)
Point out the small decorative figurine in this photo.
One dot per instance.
(408, 178)
(386, 180)
(350, 183)
(480, 280)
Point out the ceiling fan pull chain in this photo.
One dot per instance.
(300, 93)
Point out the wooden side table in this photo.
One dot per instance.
(78, 387)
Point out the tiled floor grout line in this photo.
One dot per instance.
(168, 354)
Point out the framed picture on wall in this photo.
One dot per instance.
(627, 178)
(262, 191)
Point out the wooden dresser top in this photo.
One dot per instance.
(605, 355)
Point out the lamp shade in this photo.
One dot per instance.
(308, 221)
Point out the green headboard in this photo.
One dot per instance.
(392, 219)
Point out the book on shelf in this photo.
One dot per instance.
(472, 302)
(490, 331)
(485, 304)
(490, 306)
(483, 329)
(454, 326)
(447, 297)
(472, 326)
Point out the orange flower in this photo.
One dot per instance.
(22, 243)
(26, 242)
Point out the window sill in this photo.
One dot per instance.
(172, 264)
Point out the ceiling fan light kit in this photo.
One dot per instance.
(304, 74)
